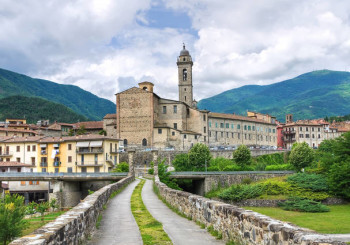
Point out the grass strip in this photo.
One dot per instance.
(151, 230)
(36, 222)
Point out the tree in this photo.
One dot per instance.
(42, 208)
(339, 179)
(181, 162)
(220, 163)
(242, 156)
(81, 130)
(301, 155)
(12, 211)
(342, 148)
(53, 204)
(199, 155)
(103, 132)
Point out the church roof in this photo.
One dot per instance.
(184, 51)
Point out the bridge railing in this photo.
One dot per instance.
(32, 174)
(189, 173)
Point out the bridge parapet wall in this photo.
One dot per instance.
(240, 225)
(76, 225)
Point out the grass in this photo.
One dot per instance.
(98, 222)
(36, 222)
(337, 221)
(151, 230)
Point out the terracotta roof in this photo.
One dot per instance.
(22, 139)
(17, 130)
(190, 132)
(76, 138)
(237, 117)
(90, 124)
(110, 116)
(15, 164)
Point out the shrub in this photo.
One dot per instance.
(31, 208)
(164, 176)
(232, 167)
(121, 168)
(301, 155)
(247, 181)
(303, 205)
(242, 156)
(240, 192)
(339, 179)
(276, 187)
(314, 182)
(220, 163)
(213, 168)
(279, 167)
(181, 163)
(42, 208)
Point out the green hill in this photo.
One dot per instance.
(34, 109)
(77, 99)
(311, 95)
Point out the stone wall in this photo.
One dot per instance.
(145, 157)
(77, 224)
(234, 223)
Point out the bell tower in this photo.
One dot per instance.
(184, 66)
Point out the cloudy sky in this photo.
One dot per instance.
(106, 46)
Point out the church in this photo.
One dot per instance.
(145, 119)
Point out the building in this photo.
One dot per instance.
(110, 125)
(144, 119)
(313, 132)
(91, 127)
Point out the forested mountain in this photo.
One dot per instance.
(34, 109)
(77, 99)
(311, 95)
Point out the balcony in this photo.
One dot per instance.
(89, 150)
(43, 152)
(56, 163)
(288, 132)
(43, 164)
(5, 153)
(90, 164)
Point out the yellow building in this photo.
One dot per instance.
(77, 154)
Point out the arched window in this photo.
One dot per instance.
(184, 74)
(144, 142)
(144, 88)
(125, 142)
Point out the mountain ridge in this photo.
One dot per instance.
(309, 95)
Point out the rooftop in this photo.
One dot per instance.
(237, 117)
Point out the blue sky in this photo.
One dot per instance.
(106, 46)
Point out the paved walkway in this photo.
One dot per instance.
(118, 225)
(180, 230)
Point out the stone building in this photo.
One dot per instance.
(313, 132)
(144, 119)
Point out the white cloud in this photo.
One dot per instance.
(99, 45)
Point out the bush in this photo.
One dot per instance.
(121, 168)
(271, 159)
(164, 176)
(213, 168)
(301, 155)
(240, 192)
(279, 167)
(232, 167)
(242, 156)
(181, 163)
(314, 182)
(339, 179)
(31, 208)
(220, 163)
(303, 205)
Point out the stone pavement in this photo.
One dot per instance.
(118, 225)
(180, 230)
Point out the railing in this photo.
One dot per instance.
(6, 153)
(90, 164)
(43, 152)
(43, 164)
(91, 150)
(41, 174)
(189, 173)
(56, 164)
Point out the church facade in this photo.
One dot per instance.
(145, 119)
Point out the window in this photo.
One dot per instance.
(204, 118)
(184, 74)
(249, 128)
(69, 170)
(69, 158)
(267, 139)
(307, 129)
(232, 126)
(33, 160)
(249, 136)
(159, 131)
(269, 130)
(96, 158)
(253, 128)
(301, 128)
(195, 137)
(227, 125)
(144, 143)
(226, 134)
(28, 147)
(57, 170)
(175, 109)
(313, 136)
(96, 169)
(34, 148)
(23, 183)
(232, 135)
(307, 135)
(319, 136)
(175, 125)
(83, 169)
(222, 134)
(274, 130)
(301, 136)
(221, 125)
(245, 136)
(239, 135)
(185, 136)
(216, 125)
(69, 147)
(205, 129)
(319, 130)
(185, 98)
(205, 138)
(313, 129)
(43, 170)
(209, 133)
(173, 133)
(18, 159)
(245, 127)
(164, 109)
(209, 124)
(238, 126)
(18, 148)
